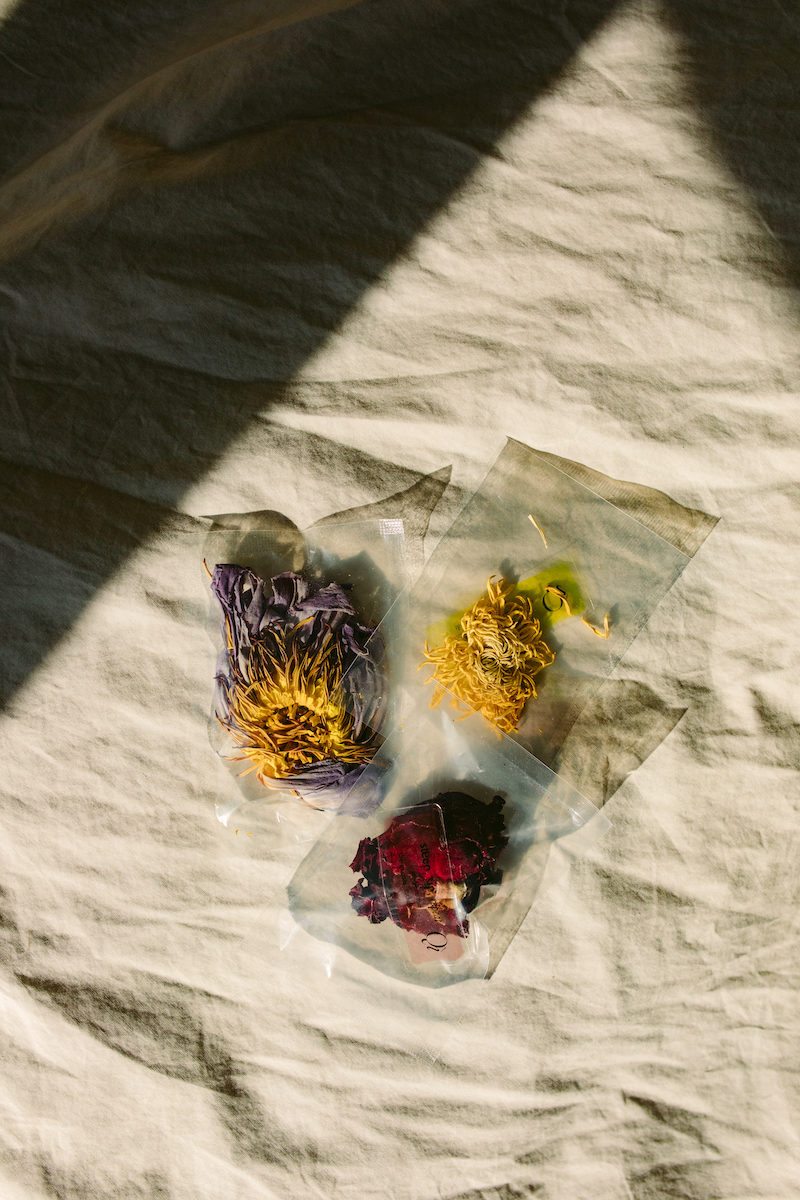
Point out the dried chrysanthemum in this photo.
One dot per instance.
(425, 871)
(491, 664)
(299, 687)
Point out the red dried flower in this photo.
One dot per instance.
(426, 869)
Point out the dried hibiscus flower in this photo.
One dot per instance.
(298, 686)
(425, 871)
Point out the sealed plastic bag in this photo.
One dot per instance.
(302, 686)
(432, 886)
(532, 597)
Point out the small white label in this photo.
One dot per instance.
(427, 947)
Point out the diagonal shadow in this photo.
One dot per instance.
(176, 243)
(169, 265)
(741, 65)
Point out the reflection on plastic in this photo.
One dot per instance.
(430, 755)
(597, 561)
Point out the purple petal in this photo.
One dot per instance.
(251, 617)
(288, 591)
(328, 599)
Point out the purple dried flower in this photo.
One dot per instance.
(298, 686)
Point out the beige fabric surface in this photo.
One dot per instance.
(259, 256)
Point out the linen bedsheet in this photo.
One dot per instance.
(323, 258)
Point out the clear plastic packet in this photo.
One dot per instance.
(302, 693)
(532, 597)
(432, 886)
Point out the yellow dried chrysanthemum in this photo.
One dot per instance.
(491, 665)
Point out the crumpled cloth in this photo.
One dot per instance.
(262, 256)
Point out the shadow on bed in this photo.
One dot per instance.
(175, 247)
(180, 234)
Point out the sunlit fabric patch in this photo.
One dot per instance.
(491, 664)
(425, 871)
(298, 688)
